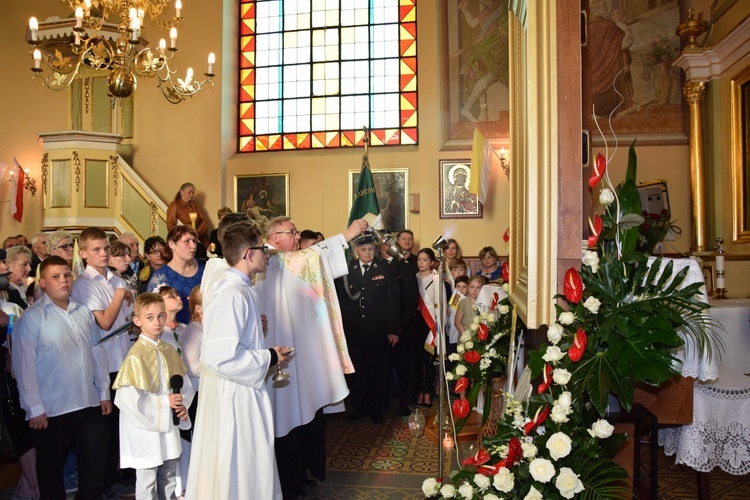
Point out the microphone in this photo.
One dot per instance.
(175, 382)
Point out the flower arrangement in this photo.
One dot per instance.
(654, 229)
(659, 51)
(482, 353)
(617, 323)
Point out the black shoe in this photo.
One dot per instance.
(354, 416)
(377, 419)
(309, 485)
(296, 492)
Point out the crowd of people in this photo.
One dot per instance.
(154, 373)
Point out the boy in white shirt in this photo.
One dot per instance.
(152, 380)
(108, 297)
(63, 384)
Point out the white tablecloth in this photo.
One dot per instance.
(734, 316)
(720, 433)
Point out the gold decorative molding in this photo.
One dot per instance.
(77, 163)
(45, 168)
(86, 93)
(739, 150)
(154, 218)
(694, 91)
(113, 163)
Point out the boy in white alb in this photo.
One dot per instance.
(153, 393)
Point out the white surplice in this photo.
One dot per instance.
(232, 453)
(297, 294)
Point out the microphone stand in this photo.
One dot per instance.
(440, 344)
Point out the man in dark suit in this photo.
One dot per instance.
(370, 309)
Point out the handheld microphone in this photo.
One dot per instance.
(175, 382)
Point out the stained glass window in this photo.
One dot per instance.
(313, 73)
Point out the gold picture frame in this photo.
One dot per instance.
(456, 202)
(740, 154)
(266, 195)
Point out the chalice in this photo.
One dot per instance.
(280, 374)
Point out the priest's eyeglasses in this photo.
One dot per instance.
(293, 232)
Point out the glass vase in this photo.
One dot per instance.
(416, 421)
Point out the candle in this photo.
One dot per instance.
(79, 17)
(135, 25)
(448, 441)
(37, 59)
(211, 62)
(720, 272)
(162, 46)
(141, 15)
(178, 8)
(34, 27)
(87, 5)
(502, 153)
(132, 14)
(173, 38)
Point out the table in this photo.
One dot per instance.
(734, 316)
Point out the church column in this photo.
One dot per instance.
(694, 93)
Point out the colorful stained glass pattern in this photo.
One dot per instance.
(313, 73)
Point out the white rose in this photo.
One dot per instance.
(591, 259)
(482, 482)
(601, 429)
(505, 287)
(491, 496)
(474, 327)
(559, 445)
(533, 494)
(565, 399)
(454, 357)
(606, 196)
(541, 470)
(475, 321)
(568, 483)
(554, 333)
(483, 315)
(469, 344)
(561, 376)
(553, 354)
(449, 375)
(448, 491)
(503, 309)
(461, 370)
(460, 349)
(559, 414)
(529, 450)
(566, 318)
(592, 304)
(466, 490)
(503, 480)
(465, 336)
(430, 487)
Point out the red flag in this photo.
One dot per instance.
(16, 191)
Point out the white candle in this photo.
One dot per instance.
(173, 38)
(135, 25)
(37, 58)
(132, 13)
(34, 27)
(720, 271)
(162, 46)
(141, 15)
(87, 5)
(502, 153)
(448, 441)
(178, 8)
(79, 17)
(211, 62)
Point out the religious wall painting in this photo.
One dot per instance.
(391, 187)
(456, 202)
(628, 72)
(475, 71)
(262, 196)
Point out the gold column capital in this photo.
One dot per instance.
(694, 91)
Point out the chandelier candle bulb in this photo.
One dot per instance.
(162, 46)
(79, 17)
(502, 153)
(34, 28)
(37, 59)
(141, 15)
(87, 5)
(178, 9)
(173, 38)
(211, 62)
(135, 25)
(132, 14)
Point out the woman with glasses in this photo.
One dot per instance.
(182, 271)
(152, 248)
(60, 243)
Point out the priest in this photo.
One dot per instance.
(298, 296)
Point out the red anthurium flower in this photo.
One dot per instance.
(539, 419)
(472, 357)
(482, 332)
(480, 458)
(600, 166)
(495, 300)
(461, 408)
(547, 379)
(596, 229)
(579, 345)
(506, 235)
(461, 384)
(505, 272)
(573, 286)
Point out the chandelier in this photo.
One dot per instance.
(105, 36)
